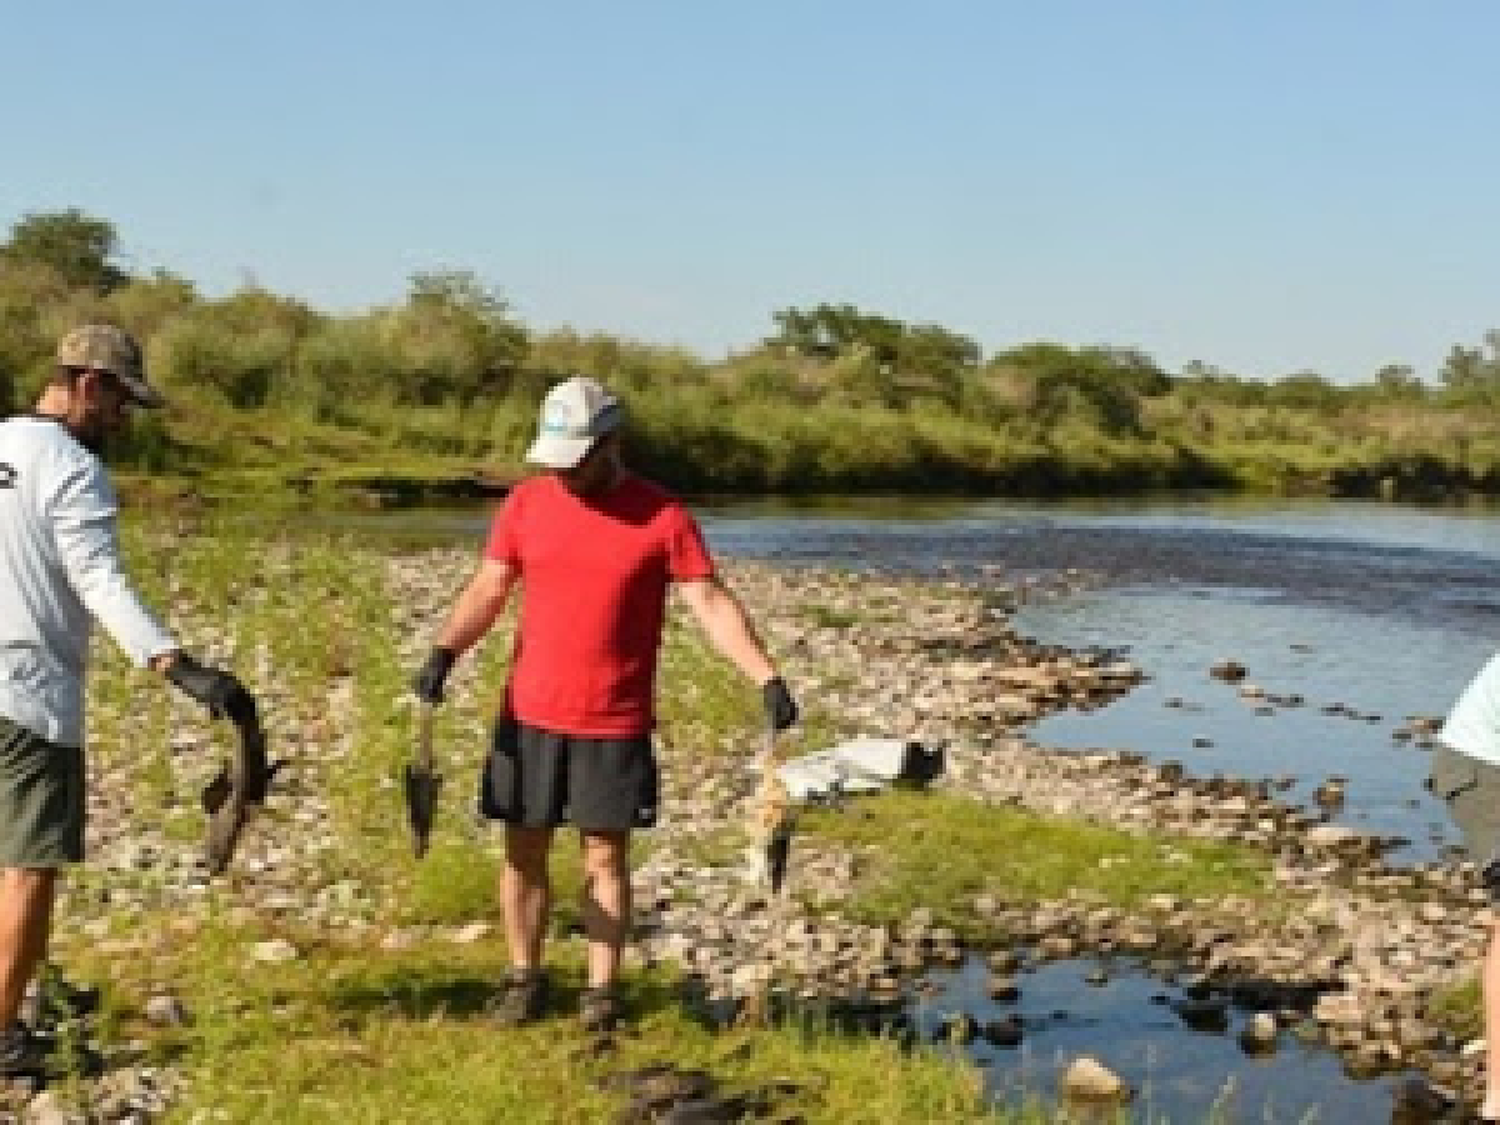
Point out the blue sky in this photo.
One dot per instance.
(1265, 185)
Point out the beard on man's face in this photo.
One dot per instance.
(94, 432)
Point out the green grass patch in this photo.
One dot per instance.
(1460, 1008)
(939, 850)
(721, 847)
(830, 617)
(454, 884)
(354, 1034)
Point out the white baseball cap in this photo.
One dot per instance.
(575, 414)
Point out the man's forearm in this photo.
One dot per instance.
(481, 602)
(730, 631)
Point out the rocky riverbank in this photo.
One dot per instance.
(1353, 946)
(1348, 948)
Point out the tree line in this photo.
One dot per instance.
(833, 396)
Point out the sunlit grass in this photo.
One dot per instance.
(939, 850)
(380, 1018)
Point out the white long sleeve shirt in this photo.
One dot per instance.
(1473, 726)
(59, 568)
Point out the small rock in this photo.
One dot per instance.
(1329, 795)
(1259, 1033)
(166, 1010)
(474, 931)
(1204, 1015)
(1004, 961)
(397, 940)
(1329, 836)
(1419, 1099)
(274, 951)
(47, 1109)
(960, 1027)
(1004, 1032)
(1004, 990)
(1230, 671)
(1090, 1080)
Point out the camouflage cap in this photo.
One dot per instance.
(103, 347)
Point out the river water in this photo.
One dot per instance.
(1370, 613)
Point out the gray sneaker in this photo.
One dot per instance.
(522, 999)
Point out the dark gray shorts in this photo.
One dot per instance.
(538, 778)
(1470, 787)
(41, 800)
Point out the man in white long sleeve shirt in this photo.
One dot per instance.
(60, 568)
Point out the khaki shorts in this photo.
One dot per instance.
(1470, 787)
(41, 800)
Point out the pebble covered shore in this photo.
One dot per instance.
(1356, 963)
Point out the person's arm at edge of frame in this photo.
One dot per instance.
(83, 511)
(478, 606)
(723, 619)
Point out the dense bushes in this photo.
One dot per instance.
(835, 399)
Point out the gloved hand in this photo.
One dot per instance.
(781, 709)
(219, 691)
(430, 678)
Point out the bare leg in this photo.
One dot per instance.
(26, 897)
(526, 895)
(1490, 985)
(606, 902)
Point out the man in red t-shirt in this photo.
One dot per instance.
(594, 549)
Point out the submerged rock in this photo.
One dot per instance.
(1230, 671)
(1259, 1034)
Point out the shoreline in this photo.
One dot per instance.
(379, 489)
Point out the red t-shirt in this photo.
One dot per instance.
(594, 574)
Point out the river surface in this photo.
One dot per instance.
(1370, 613)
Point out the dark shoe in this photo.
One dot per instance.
(52, 999)
(522, 999)
(24, 1054)
(599, 1009)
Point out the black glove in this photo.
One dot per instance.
(429, 680)
(220, 692)
(781, 709)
